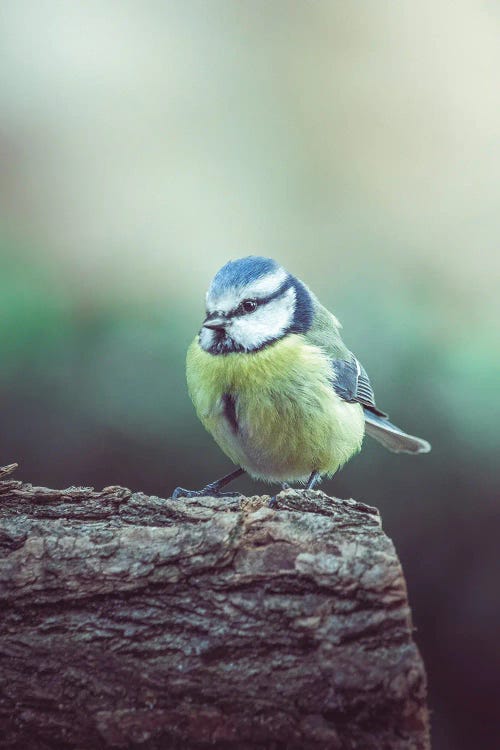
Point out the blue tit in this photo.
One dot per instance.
(275, 385)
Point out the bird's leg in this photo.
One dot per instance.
(313, 479)
(213, 489)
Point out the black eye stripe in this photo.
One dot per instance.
(280, 291)
(286, 285)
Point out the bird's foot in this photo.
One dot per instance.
(205, 492)
(181, 492)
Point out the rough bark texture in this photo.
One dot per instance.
(140, 622)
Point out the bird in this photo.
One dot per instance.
(273, 382)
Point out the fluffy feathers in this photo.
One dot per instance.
(273, 382)
(289, 417)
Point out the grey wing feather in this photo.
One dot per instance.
(351, 383)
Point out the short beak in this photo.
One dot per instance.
(216, 324)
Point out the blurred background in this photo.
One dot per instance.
(142, 145)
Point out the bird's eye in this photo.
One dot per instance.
(248, 305)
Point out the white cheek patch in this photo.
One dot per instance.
(262, 287)
(267, 323)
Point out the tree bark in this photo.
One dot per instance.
(131, 621)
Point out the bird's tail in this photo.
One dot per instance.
(392, 437)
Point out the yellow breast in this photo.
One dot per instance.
(274, 412)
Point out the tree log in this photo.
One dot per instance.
(131, 621)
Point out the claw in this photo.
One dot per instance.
(181, 492)
(213, 489)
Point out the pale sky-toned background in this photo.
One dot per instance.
(143, 144)
(163, 135)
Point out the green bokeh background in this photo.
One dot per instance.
(142, 145)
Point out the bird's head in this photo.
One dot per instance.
(251, 303)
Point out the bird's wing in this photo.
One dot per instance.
(351, 382)
(349, 378)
